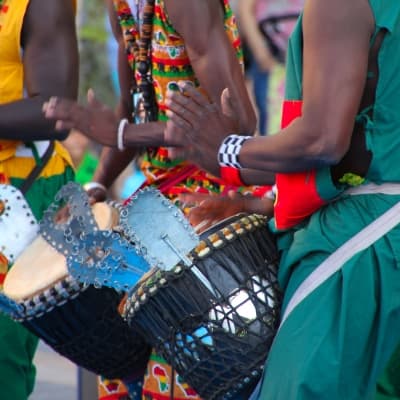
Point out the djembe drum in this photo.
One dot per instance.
(79, 321)
(214, 318)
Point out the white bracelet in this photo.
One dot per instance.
(228, 153)
(94, 185)
(120, 136)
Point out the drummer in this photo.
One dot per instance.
(341, 128)
(205, 52)
(46, 67)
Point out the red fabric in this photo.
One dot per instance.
(260, 191)
(297, 196)
(231, 175)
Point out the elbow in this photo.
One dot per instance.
(326, 148)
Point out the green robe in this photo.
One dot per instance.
(337, 342)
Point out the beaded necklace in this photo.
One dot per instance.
(137, 36)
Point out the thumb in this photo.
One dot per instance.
(92, 100)
(227, 105)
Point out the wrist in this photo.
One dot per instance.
(228, 153)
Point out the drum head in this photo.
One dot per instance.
(40, 266)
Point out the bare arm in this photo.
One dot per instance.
(112, 161)
(336, 47)
(251, 33)
(211, 53)
(50, 68)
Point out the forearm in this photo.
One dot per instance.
(257, 177)
(250, 30)
(24, 120)
(227, 75)
(299, 147)
(150, 134)
(213, 56)
(112, 163)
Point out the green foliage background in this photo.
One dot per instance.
(94, 64)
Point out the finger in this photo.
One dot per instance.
(96, 195)
(64, 125)
(190, 91)
(58, 108)
(183, 123)
(194, 198)
(176, 153)
(90, 95)
(232, 194)
(202, 226)
(93, 101)
(226, 104)
(189, 119)
(182, 105)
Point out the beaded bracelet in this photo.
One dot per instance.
(228, 153)
(120, 135)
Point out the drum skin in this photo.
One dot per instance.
(215, 334)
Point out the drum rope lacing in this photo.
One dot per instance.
(181, 339)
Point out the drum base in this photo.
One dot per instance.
(215, 331)
(89, 331)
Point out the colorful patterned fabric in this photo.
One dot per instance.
(171, 64)
(113, 389)
(160, 380)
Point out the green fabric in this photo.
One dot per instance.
(337, 342)
(17, 344)
(43, 190)
(389, 382)
(86, 169)
(17, 349)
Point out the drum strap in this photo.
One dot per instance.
(41, 163)
(362, 240)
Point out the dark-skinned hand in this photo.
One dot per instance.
(200, 125)
(207, 210)
(95, 120)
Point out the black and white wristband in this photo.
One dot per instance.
(228, 153)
